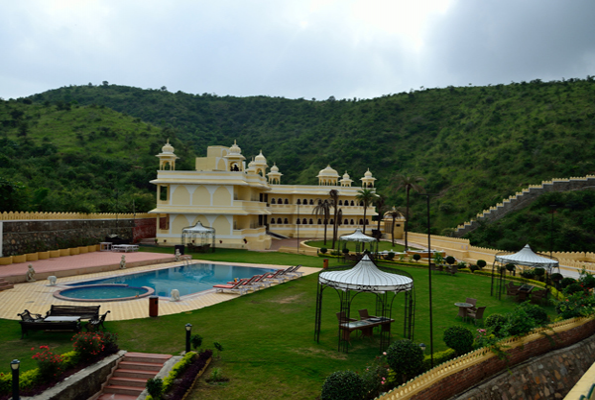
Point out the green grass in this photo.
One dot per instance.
(268, 336)
(382, 246)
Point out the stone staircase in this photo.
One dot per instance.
(524, 198)
(5, 285)
(130, 378)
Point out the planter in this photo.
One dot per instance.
(83, 249)
(92, 248)
(74, 251)
(32, 256)
(6, 260)
(64, 252)
(19, 259)
(43, 255)
(54, 253)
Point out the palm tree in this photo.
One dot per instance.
(323, 210)
(408, 183)
(395, 213)
(367, 197)
(334, 202)
(381, 208)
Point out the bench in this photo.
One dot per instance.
(85, 312)
(41, 325)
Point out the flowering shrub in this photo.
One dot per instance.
(91, 344)
(374, 378)
(49, 364)
(342, 385)
(576, 305)
(405, 359)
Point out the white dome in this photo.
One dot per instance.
(235, 149)
(259, 159)
(368, 174)
(328, 172)
(346, 176)
(167, 148)
(274, 168)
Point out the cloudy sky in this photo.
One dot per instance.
(301, 48)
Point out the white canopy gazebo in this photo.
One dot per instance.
(367, 277)
(199, 238)
(527, 257)
(357, 237)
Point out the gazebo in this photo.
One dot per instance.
(199, 238)
(366, 277)
(525, 257)
(357, 237)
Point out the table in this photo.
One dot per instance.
(523, 292)
(125, 247)
(105, 246)
(463, 309)
(62, 318)
(366, 326)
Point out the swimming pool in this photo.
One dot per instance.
(103, 292)
(187, 279)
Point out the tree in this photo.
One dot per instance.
(367, 197)
(408, 183)
(323, 210)
(334, 202)
(381, 208)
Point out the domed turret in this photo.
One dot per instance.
(167, 158)
(328, 176)
(235, 149)
(235, 158)
(274, 176)
(346, 181)
(368, 179)
(260, 159)
(260, 164)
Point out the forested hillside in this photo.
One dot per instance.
(66, 157)
(473, 145)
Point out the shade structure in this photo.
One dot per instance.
(357, 236)
(198, 229)
(366, 277)
(199, 237)
(528, 258)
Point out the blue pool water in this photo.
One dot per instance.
(101, 292)
(187, 279)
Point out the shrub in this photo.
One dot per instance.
(535, 312)
(519, 322)
(439, 358)
(473, 267)
(50, 365)
(588, 281)
(155, 387)
(573, 288)
(450, 260)
(196, 341)
(374, 378)
(345, 250)
(495, 323)
(183, 375)
(556, 277)
(576, 305)
(335, 253)
(529, 274)
(539, 273)
(481, 264)
(342, 385)
(566, 281)
(405, 358)
(390, 256)
(91, 344)
(323, 250)
(459, 338)
(510, 267)
(416, 257)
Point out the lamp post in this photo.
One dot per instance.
(14, 366)
(430, 281)
(188, 331)
(422, 346)
(552, 211)
(297, 245)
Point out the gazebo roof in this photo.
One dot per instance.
(198, 229)
(366, 277)
(527, 257)
(357, 236)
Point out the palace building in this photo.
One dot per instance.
(247, 206)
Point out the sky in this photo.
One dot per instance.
(310, 49)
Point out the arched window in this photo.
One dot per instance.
(280, 201)
(273, 201)
(319, 221)
(298, 202)
(340, 202)
(361, 203)
(332, 222)
(352, 203)
(346, 222)
(361, 221)
(298, 221)
(311, 222)
(351, 222)
(286, 201)
(305, 221)
(319, 202)
(311, 202)
(279, 221)
(272, 220)
(286, 221)
(305, 201)
(367, 222)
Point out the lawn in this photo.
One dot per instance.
(268, 336)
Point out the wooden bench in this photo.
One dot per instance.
(40, 325)
(85, 312)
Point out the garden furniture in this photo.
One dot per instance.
(524, 291)
(237, 287)
(83, 312)
(476, 314)
(463, 309)
(94, 324)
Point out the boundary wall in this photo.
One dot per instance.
(456, 376)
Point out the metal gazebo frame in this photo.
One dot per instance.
(192, 233)
(367, 277)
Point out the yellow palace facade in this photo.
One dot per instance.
(247, 205)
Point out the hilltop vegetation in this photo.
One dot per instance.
(473, 145)
(65, 157)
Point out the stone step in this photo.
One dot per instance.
(145, 366)
(134, 373)
(124, 381)
(5, 285)
(127, 390)
(146, 357)
(115, 396)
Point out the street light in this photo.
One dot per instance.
(188, 330)
(430, 281)
(422, 346)
(14, 366)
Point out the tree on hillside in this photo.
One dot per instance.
(408, 183)
(395, 213)
(323, 210)
(367, 197)
(334, 202)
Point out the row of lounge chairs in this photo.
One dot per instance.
(243, 286)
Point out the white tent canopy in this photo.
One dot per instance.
(366, 277)
(357, 236)
(527, 257)
(198, 229)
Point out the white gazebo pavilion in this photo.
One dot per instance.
(199, 238)
(367, 277)
(359, 237)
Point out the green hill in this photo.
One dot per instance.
(65, 157)
(473, 145)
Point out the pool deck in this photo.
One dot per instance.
(37, 297)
